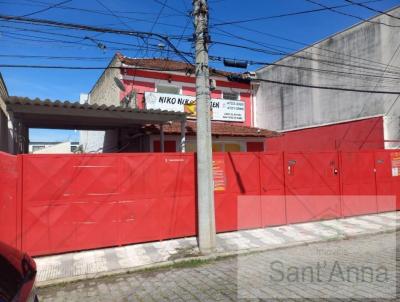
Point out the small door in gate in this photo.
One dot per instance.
(312, 186)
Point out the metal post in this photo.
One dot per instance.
(183, 136)
(162, 139)
(205, 185)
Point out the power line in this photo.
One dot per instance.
(275, 51)
(21, 56)
(286, 15)
(140, 34)
(213, 58)
(361, 4)
(217, 58)
(172, 8)
(156, 20)
(92, 11)
(351, 15)
(47, 8)
(329, 87)
(254, 30)
(75, 43)
(117, 17)
(185, 70)
(89, 67)
(304, 57)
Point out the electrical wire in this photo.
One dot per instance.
(156, 20)
(361, 4)
(47, 8)
(140, 34)
(92, 11)
(352, 16)
(313, 46)
(329, 87)
(286, 15)
(303, 57)
(185, 70)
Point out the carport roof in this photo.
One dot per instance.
(73, 115)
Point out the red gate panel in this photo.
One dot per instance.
(358, 183)
(69, 202)
(387, 181)
(8, 199)
(272, 182)
(312, 186)
(234, 211)
(159, 192)
(76, 202)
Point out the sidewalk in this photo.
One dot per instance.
(102, 262)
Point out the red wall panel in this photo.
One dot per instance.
(8, 199)
(350, 136)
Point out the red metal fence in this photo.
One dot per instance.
(58, 203)
(8, 199)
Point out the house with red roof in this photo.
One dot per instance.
(163, 84)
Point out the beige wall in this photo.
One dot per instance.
(59, 148)
(106, 91)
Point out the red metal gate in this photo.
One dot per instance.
(358, 183)
(80, 202)
(312, 186)
(64, 203)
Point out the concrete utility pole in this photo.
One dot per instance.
(205, 183)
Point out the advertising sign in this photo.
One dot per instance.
(395, 157)
(222, 110)
(219, 175)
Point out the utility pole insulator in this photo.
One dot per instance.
(205, 182)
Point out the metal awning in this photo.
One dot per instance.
(73, 115)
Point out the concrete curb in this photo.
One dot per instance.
(215, 256)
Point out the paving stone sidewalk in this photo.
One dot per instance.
(96, 263)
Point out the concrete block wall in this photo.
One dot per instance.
(368, 45)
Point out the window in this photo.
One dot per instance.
(233, 147)
(161, 88)
(230, 95)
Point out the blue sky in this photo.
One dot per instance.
(19, 40)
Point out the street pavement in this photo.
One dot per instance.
(359, 268)
(116, 260)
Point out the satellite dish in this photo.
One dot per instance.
(119, 83)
